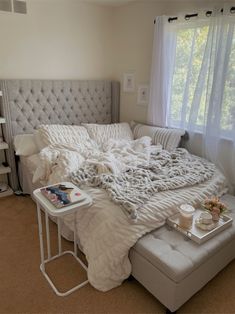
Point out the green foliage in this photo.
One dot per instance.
(190, 50)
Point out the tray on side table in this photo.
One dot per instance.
(196, 234)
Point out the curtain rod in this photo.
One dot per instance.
(188, 16)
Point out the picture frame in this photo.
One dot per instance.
(20, 6)
(129, 82)
(143, 95)
(13, 6)
(6, 5)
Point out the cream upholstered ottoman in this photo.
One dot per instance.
(173, 268)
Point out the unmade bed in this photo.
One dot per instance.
(29, 103)
(163, 261)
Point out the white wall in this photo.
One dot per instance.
(73, 39)
(56, 39)
(133, 35)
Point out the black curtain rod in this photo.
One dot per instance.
(188, 16)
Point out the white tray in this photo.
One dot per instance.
(196, 234)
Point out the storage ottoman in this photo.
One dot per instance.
(173, 268)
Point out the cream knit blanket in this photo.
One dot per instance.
(138, 183)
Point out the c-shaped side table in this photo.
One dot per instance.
(43, 203)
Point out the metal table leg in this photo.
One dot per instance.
(75, 236)
(59, 235)
(60, 253)
(40, 237)
(48, 236)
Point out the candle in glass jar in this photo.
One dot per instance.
(186, 216)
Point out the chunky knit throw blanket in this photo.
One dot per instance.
(134, 187)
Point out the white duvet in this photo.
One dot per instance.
(105, 232)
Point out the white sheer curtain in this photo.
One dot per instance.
(219, 126)
(161, 73)
(201, 85)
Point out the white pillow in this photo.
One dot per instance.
(61, 134)
(101, 133)
(168, 138)
(25, 145)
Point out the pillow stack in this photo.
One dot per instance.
(86, 135)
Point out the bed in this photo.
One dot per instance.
(105, 232)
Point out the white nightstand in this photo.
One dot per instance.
(43, 203)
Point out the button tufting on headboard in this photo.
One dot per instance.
(29, 103)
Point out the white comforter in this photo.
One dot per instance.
(105, 232)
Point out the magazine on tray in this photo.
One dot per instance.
(61, 195)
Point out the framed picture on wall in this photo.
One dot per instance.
(143, 95)
(128, 82)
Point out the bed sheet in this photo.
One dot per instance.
(26, 168)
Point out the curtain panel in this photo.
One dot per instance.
(161, 72)
(193, 84)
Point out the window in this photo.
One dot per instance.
(194, 79)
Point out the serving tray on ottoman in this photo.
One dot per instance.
(196, 234)
(173, 269)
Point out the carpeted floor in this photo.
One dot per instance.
(23, 289)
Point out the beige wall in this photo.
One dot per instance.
(56, 39)
(133, 44)
(73, 39)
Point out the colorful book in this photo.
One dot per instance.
(61, 195)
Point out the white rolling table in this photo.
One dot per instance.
(43, 203)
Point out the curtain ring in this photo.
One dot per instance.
(232, 10)
(188, 16)
(171, 19)
(208, 13)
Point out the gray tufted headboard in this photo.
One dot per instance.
(28, 103)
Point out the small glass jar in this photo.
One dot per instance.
(186, 216)
(205, 218)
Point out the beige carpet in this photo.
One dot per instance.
(23, 289)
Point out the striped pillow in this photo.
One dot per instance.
(101, 133)
(54, 134)
(168, 138)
